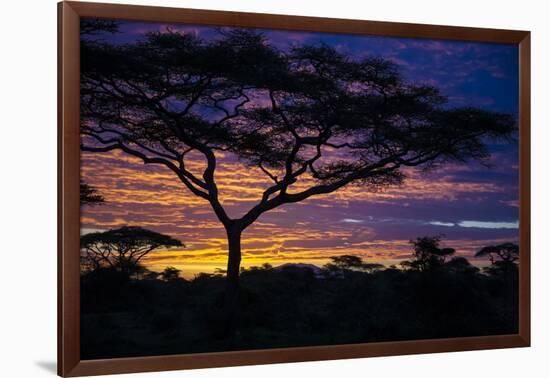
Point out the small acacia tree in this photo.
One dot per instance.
(171, 274)
(427, 254)
(350, 262)
(310, 119)
(123, 248)
(503, 257)
(507, 252)
(504, 267)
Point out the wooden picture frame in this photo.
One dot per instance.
(69, 362)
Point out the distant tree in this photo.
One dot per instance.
(427, 254)
(310, 119)
(507, 252)
(504, 268)
(263, 267)
(345, 262)
(372, 267)
(89, 195)
(170, 274)
(350, 262)
(503, 257)
(123, 248)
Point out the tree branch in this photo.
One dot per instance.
(146, 160)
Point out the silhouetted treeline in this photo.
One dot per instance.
(433, 295)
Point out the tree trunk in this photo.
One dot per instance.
(231, 301)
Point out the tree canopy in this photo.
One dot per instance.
(305, 112)
(170, 273)
(428, 255)
(503, 257)
(124, 247)
(351, 262)
(507, 252)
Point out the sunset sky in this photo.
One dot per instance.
(470, 204)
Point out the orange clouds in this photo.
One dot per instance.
(152, 197)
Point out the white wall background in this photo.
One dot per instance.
(28, 186)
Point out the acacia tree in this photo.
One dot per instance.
(171, 274)
(123, 248)
(506, 252)
(310, 119)
(428, 255)
(503, 257)
(504, 266)
(350, 262)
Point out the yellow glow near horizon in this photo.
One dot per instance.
(309, 232)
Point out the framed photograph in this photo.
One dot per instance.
(239, 188)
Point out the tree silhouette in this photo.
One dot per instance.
(170, 274)
(89, 195)
(503, 257)
(312, 120)
(346, 262)
(507, 252)
(351, 262)
(123, 248)
(504, 269)
(428, 255)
